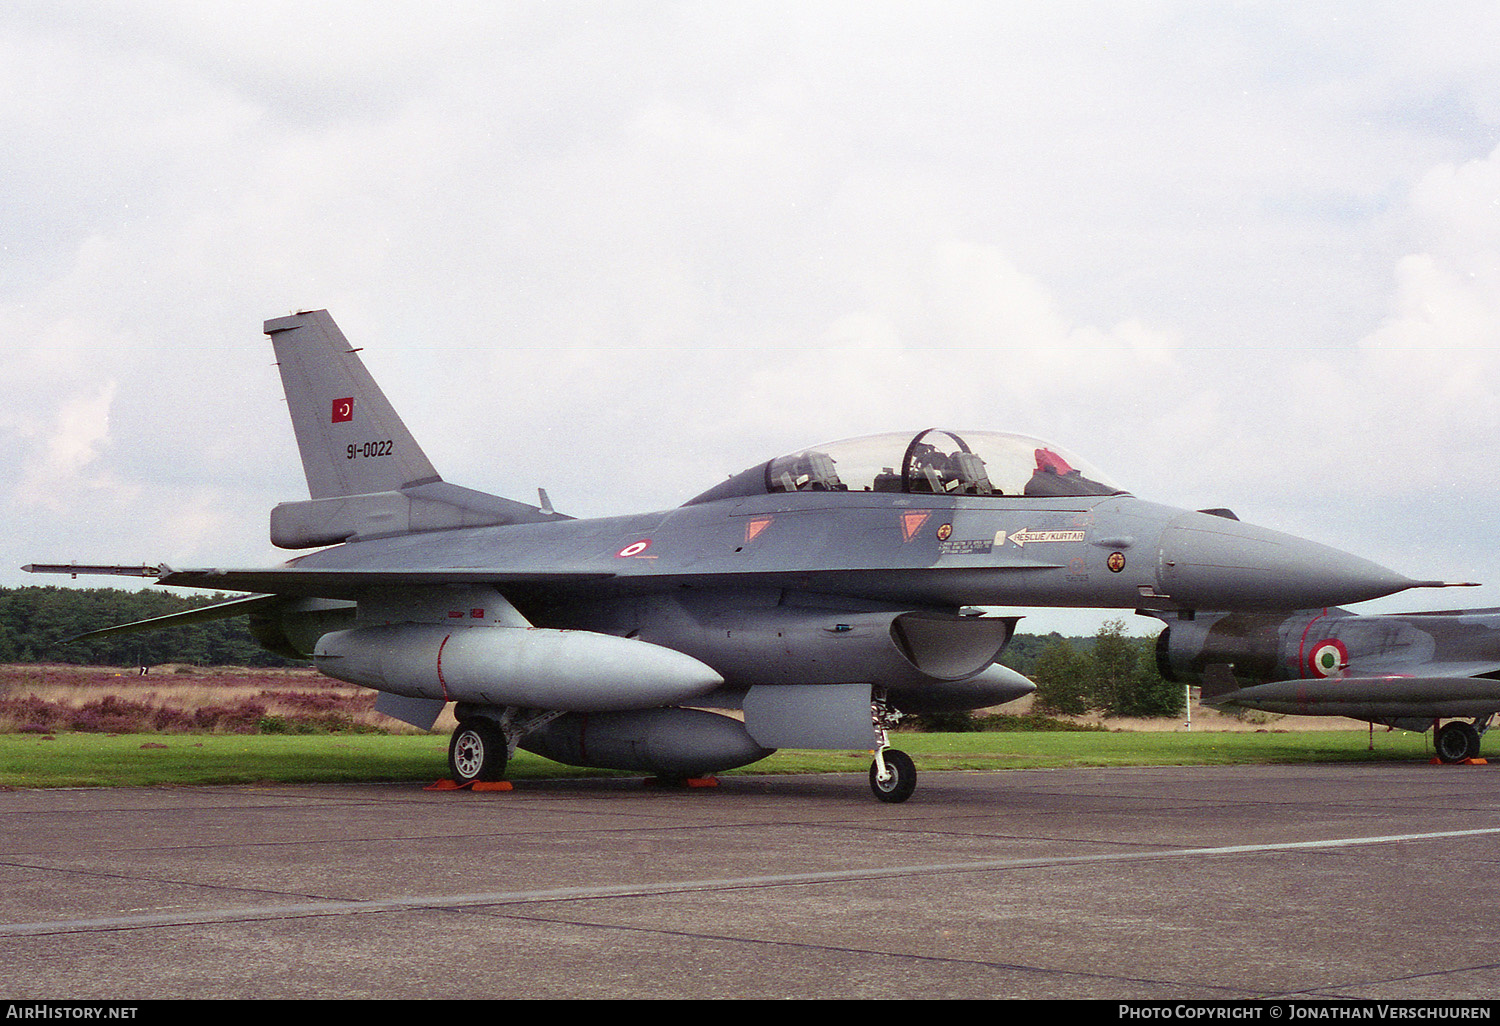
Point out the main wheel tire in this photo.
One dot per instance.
(477, 752)
(902, 779)
(1456, 741)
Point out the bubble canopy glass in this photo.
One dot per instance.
(932, 462)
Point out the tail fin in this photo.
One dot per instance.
(367, 475)
(352, 441)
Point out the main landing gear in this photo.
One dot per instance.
(477, 752)
(1457, 741)
(893, 776)
(483, 742)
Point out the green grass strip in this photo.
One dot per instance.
(134, 760)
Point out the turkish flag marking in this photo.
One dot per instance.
(343, 409)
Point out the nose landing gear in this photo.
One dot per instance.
(893, 776)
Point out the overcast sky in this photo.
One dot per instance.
(1237, 254)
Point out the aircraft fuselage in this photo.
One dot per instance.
(1083, 551)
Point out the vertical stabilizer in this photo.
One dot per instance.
(352, 441)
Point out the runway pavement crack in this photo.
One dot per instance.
(1337, 992)
(1173, 986)
(166, 882)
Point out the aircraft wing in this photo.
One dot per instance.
(272, 582)
(345, 583)
(933, 585)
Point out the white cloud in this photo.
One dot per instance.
(58, 470)
(1420, 395)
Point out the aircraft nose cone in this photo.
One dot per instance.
(1209, 562)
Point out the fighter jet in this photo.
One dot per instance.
(805, 602)
(1407, 671)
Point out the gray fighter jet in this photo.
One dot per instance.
(1407, 671)
(802, 603)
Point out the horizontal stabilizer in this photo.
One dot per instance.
(217, 611)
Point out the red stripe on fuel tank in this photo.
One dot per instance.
(442, 683)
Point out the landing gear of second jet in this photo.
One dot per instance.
(898, 779)
(1456, 741)
(477, 752)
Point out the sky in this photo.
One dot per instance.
(1240, 255)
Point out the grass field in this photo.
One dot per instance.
(74, 726)
(101, 760)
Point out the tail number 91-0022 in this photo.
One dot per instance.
(368, 449)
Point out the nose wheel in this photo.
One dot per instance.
(893, 776)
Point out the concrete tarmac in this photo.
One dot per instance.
(1301, 882)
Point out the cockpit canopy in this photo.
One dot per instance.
(932, 462)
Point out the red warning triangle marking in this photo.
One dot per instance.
(756, 526)
(911, 523)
